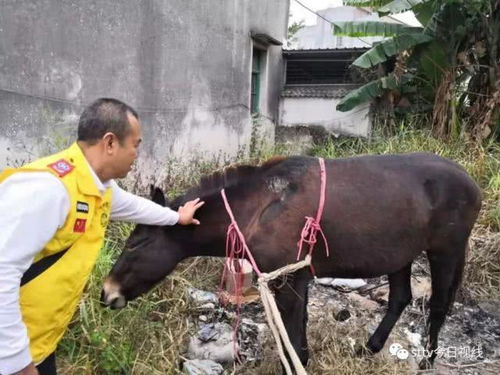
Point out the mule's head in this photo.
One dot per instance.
(148, 257)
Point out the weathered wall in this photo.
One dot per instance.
(183, 64)
(322, 112)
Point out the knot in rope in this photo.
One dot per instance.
(309, 236)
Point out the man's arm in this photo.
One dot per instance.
(33, 205)
(129, 207)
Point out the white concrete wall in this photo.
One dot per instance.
(322, 112)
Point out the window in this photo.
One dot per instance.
(317, 72)
(256, 77)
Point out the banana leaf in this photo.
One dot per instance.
(367, 92)
(390, 47)
(371, 28)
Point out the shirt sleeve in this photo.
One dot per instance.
(33, 205)
(129, 207)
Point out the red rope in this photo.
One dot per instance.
(237, 249)
(312, 225)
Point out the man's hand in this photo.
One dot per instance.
(187, 212)
(29, 370)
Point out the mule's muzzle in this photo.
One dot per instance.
(111, 296)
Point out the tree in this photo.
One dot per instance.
(292, 30)
(449, 67)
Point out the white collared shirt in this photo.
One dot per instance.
(33, 206)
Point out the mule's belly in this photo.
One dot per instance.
(364, 263)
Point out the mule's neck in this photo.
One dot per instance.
(208, 238)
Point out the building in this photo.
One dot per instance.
(194, 70)
(318, 74)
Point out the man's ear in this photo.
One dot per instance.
(109, 140)
(157, 195)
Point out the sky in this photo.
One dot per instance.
(299, 13)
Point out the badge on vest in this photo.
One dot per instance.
(82, 207)
(79, 225)
(61, 167)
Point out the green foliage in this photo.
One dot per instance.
(454, 61)
(365, 3)
(390, 47)
(367, 92)
(293, 28)
(371, 28)
(399, 6)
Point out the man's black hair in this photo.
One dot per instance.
(103, 116)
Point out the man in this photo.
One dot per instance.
(53, 215)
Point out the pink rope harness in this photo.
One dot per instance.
(237, 249)
(312, 225)
(236, 246)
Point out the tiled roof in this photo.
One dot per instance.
(317, 91)
(291, 50)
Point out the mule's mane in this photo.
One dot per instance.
(228, 176)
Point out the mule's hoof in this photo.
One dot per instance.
(425, 364)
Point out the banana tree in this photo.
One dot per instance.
(455, 51)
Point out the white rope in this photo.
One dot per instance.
(274, 317)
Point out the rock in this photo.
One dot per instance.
(215, 342)
(363, 302)
(208, 332)
(381, 295)
(414, 339)
(202, 297)
(202, 367)
(207, 306)
(490, 307)
(421, 287)
(349, 283)
(203, 318)
(327, 281)
(366, 289)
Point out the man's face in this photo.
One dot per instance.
(127, 150)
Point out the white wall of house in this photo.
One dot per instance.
(322, 112)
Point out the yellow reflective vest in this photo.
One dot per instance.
(49, 301)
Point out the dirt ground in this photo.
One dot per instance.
(340, 320)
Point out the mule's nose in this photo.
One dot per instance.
(111, 296)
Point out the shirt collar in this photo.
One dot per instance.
(88, 181)
(101, 186)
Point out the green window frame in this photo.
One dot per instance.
(255, 83)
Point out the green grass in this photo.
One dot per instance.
(149, 335)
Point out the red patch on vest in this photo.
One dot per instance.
(79, 225)
(62, 167)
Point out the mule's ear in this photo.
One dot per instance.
(157, 196)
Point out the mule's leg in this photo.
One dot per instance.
(291, 299)
(446, 272)
(399, 297)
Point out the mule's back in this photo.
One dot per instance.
(380, 211)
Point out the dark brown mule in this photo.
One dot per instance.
(381, 212)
